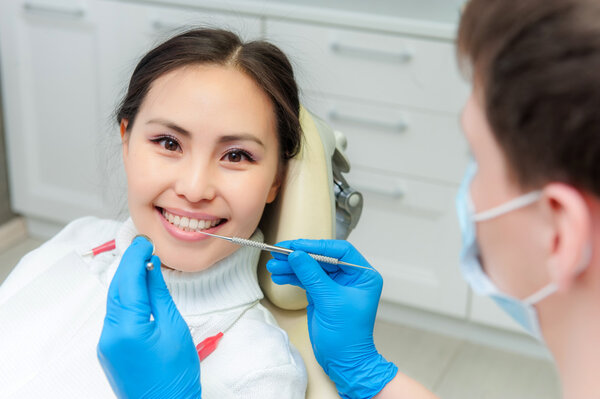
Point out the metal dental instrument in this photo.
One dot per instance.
(282, 250)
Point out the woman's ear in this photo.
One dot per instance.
(274, 190)
(570, 238)
(124, 138)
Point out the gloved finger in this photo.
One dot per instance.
(291, 279)
(328, 267)
(286, 279)
(161, 301)
(279, 256)
(275, 266)
(285, 244)
(339, 249)
(131, 277)
(314, 279)
(335, 248)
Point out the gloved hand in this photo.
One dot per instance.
(144, 357)
(342, 304)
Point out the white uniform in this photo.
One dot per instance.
(52, 308)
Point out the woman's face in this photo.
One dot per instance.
(202, 155)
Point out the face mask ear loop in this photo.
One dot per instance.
(553, 287)
(509, 206)
(541, 294)
(587, 257)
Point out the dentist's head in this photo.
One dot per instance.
(533, 125)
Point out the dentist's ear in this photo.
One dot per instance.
(571, 238)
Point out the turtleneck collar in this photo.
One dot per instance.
(232, 282)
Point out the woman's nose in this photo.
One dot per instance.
(195, 182)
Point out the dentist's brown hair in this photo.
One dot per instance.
(537, 65)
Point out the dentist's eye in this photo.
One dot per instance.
(168, 143)
(236, 156)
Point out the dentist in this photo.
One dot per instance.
(528, 208)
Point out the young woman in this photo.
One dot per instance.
(207, 126)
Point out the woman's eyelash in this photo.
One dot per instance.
(241, 152)
(160, 139)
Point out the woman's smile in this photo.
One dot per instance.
(187, 226)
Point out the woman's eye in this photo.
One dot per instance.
(168, 143)
(238, 156)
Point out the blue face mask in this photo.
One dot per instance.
(521, 311)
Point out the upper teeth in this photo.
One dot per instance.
(189, 224)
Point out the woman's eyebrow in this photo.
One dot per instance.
(240, 137)
(223, 139)
(170, 125)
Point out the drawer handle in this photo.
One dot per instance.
(399, 126)
(76, 12)
(403, 56)
(393, 190)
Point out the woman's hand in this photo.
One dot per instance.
(146, 349)
(342, 304)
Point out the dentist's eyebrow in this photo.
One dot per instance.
(170, 125)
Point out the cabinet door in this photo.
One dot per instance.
(392, 139)
(382, 68)
(408, 231)
(50, 80)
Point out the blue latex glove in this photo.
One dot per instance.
(342, 304)
(145, 358)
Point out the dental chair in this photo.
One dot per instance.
(316, 202)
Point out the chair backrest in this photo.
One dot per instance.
(304, 208)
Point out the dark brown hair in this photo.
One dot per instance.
(261, 61)
(538, 65)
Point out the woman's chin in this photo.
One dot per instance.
(186, 268)
(190, 263)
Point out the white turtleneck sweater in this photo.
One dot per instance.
(52, 309)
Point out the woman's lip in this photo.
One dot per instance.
(193, 215)
(185, 235)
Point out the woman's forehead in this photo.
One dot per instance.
(210, 96)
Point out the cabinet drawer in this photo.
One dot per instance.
(395, 139)
(379, 67)
(409, 232)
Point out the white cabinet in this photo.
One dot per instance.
(50, 92)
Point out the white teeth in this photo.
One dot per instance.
(184, 222)
(189, 224)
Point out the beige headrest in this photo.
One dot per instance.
(304, 207)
